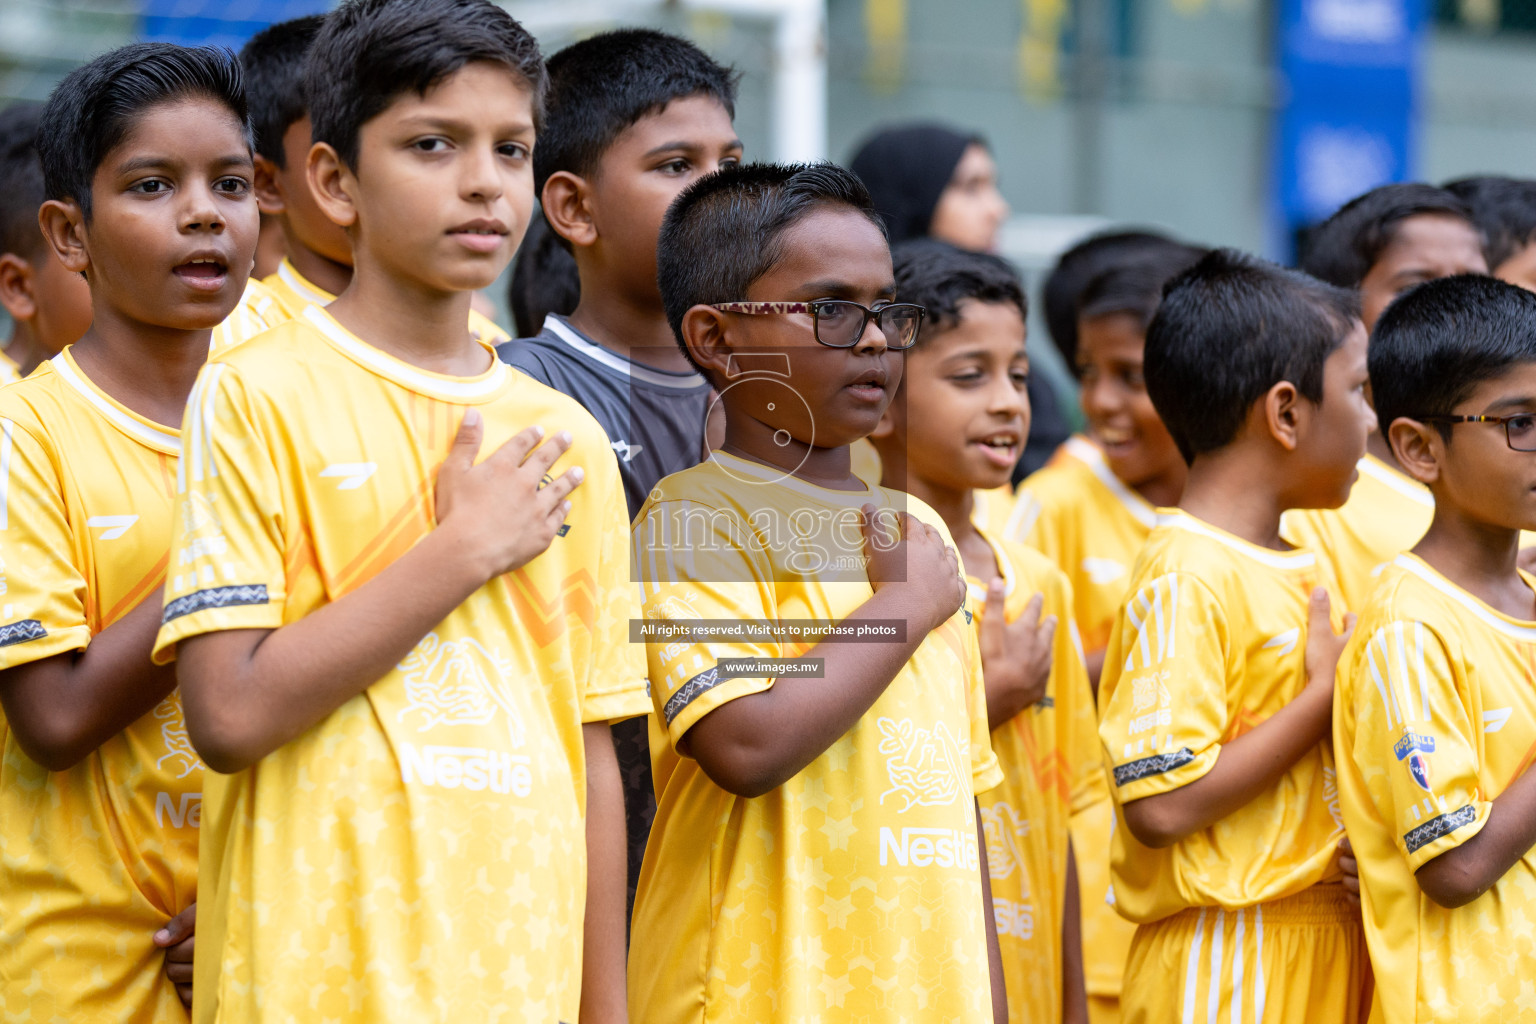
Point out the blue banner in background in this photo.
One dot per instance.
(219, 22)
(1350, 72)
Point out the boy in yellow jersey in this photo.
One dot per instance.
(317, 261)
(1218, 683)
(1381, 244)
(817, 851)
(1090, 512)
(1435, 718)
(49, 306)
(403, 663)
(147, 170)
(955, 431)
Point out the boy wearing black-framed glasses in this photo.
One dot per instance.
(1435, 709)
(821, 720)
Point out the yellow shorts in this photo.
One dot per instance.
(1299, 960)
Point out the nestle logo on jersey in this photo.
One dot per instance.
(1016, 919)
(215, 545)
(1163, 716)
(471, 768)
(1411, 742)
(921, 847)
(187, 813)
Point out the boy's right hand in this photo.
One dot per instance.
(1015, 656)
(1324, 646)
(918, 561)
(474, 500)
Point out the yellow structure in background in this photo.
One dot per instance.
(885, 31)
(1045, 23)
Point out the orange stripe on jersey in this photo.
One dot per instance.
(1243, 721)
(168, 474)
(545, 620)
(138, 591)
(1053, 771)
(394, 540)
(301, 557)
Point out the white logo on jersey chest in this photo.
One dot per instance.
(627, 451)
(353, 474)
(112, 527)
(1494, 719)
(1286, 641)
(1103, 570)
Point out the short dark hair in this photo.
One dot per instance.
(544, 279)
(273, 60)
(93, 109)
(369, 52)
(1135, 287)
(603, 85)
(1440, 340)
(1230, 328)
(1504, 210)
(1343, 249)
(21, 175)
(1079, 265)
(726, 229)
(939, 276)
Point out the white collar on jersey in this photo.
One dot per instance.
(1525, 634)
(978, 589)
(1390, 477)
(756, 472)
(628, 367)
(155, 437)
(1134, 503)
(453, 389)
(306, 291)
(1264, 556)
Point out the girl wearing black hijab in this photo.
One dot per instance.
(931, 181)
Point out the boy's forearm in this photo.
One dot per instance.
(1460, 875)
(62, 708)
(1245, 767)
(1074, 990)
(994, 947)
(603, 999)
(755, 743)
(248, 692)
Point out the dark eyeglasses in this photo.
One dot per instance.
(840, 323)
(1519, 429)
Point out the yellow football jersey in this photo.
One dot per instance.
(1211, 643)
(1076, 448)
(1434, 717)
(293, 291)
(1052, 766)
(1386, 514)
(95, 859)
(259, 310)
(420, 853)
(864, 461)
(1091, 525)
(9, 371)
(990, 509)
(852, 892)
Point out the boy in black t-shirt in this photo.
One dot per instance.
(632, 118)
